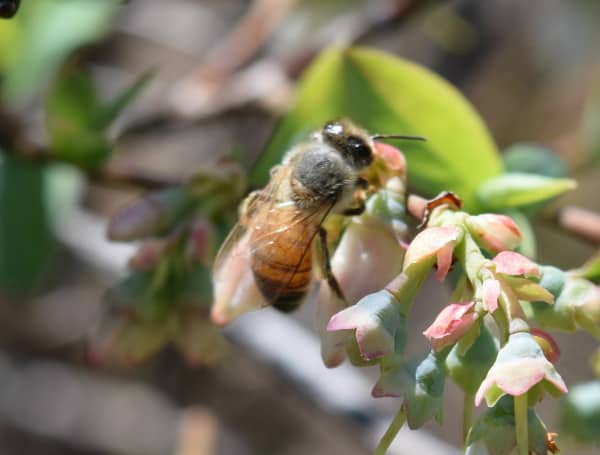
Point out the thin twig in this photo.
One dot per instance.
(581, 222)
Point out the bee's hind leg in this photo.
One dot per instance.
(326, 266)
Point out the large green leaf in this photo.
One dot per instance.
(26, 242)
(386, 94)
(41, 36)
(518, 189)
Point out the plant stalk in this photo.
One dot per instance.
(521, 424)
(467, 415)
(392, 431)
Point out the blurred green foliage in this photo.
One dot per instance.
(35, 43)
(77, 119)
(25, 239)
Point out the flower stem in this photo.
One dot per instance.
(467, 415)
(392, 431)
(521, 424)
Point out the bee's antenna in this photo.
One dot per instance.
(397, 136)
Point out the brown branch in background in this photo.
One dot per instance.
(581, 222)
(14, 142)
(207, 90)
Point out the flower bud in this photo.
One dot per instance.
(450, 325)
(494, 431)
(151, 215)
(520, 365)
(148, 255)
(366, 259)
(469, 369)
(491, 293)
(421, 383)
(431, 245)
(494, 233)
(200, 341)
(515, 264)
(333, 344)
(375, 319)
(235, 290)
(392, 157)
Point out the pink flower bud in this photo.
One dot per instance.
(431, 245)
(450, 325)
(235, 291)
(333, 344)
(366, 246)
(520, 365)
(200, 243)
(392, 157)
(491, 293)
(493, 232)
(375, 319)
(148, 254)
(511, 263)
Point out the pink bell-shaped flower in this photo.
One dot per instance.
(520, 365)
(450, 325)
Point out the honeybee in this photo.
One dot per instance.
(280, 223)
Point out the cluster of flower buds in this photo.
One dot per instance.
(167, 297)
(494, 285)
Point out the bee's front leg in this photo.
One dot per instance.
(326, 265)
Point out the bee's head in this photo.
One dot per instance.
(351, 141)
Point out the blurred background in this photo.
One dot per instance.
(103, 101)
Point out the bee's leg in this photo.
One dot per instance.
(445, 197)
(353, 211)
(326, 265)
(362, 183)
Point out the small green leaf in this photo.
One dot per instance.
(70, 104)
(386, 94)
(590, 270)
(533, 159)
(513, 190)
(104, 115)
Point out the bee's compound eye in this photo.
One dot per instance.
(360, 150)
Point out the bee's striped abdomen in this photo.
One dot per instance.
(282, 266)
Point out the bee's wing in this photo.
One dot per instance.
(269, 214)
(255, 207)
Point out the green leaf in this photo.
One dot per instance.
(386, 94)
(590, 270)
(77, 120)
(513, 190)
(533, 159)
(26, 242)
(106, 114)
(43, 34)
